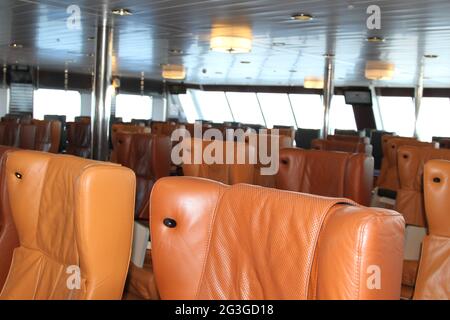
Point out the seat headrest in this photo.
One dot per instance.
(437, 197)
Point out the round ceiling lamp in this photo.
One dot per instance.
(313, 83)
(379, 70)
(174, 72)
(231, 44)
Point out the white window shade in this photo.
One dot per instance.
(213, 105)
(129, 107)
(434, 118)
(308, 110)
(342, 116)
(245, 107)
(56, 102)
(398, 114)
(277, 109)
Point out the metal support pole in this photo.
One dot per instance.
(328, 91)
(103, 89)
(418, 98)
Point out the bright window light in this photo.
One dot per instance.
(187, 103)
(213, 105)
(308, 110)
(277, 109)
(342, 116)
(245, 107)
(433, 118)
(129, 107)
(56, 102)
(398, 115)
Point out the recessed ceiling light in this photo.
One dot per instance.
(218, 72)
(245, 62)
(16, 45)
(176, 51)
(292, 71)
(431, 56)
(375, 39)
(248, 78)
(279, 44)
(122, 12)
(302, 17)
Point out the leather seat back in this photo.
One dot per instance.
(264, 141)
(376, 138)
(343, 146)
(410, 196)
(8, 234)
(247, 242)
(74, 219)
(283, 131)
(131, 128)
(27, 136)
(10, 133)
(221, 171)
(444, 143)
(304, 137)
(62, 130)
(48, 135)
(83, 119)
(326, 173)
(389, 169)
(357, 139)
(433, 281)
(148, 155)
(79, 139)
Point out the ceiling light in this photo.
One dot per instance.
(379, 70)
(431, 56)
(121, 12)
(375, 39)
(313, 83)
(176, 51)
(302, 17)
(16, 45)
(245, 62)
(174, 72)
(279, 44)
(231, 44)
(91, 38)
(292, 71)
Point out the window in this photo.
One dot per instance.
(433, 118)
(187, 103)
(341, 115)
(130, 107)
(245, 107)
(56, 102)
(398, 114)
(213, 105)
(308, 110)
(277, 109)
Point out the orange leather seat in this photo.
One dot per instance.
(83, 119)
(343, 146)
(283, 131)
(48, 135)
(389, 168)
(8, 234)
(231, 173)
(327, 173)
(410, 197)
(165, 128)
(120, 127)
(70, 214)
(265, 140)
(27, 136)
(433, 280)
(247, 242)
(357, 139)
(10, 133)
(79, 139)
(148, 155)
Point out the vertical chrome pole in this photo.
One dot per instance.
(101, 112)
(418, 97)
(328, 90)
